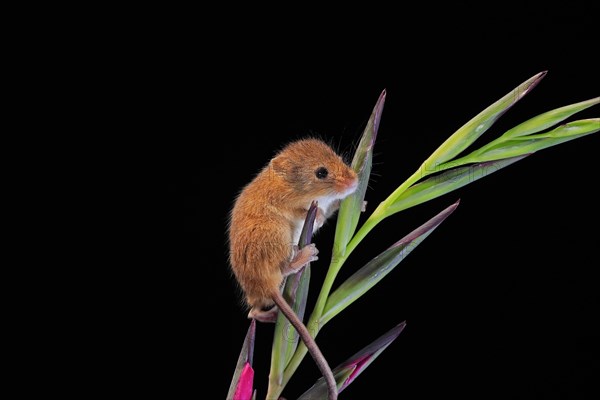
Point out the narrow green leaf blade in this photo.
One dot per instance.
(446, 182)
(295, 292)
(578, 128)
(549, 119)
(376, 269)
(349, 370)
(530, 144)
(242, 372)
(469, 132)
(350, 208)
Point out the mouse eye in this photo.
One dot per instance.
(321, 173)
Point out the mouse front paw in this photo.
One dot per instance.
(310, 251)
(302, 257)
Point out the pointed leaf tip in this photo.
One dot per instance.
(402, 324)
(378, 111)
(427, 227)
(534, 81)
(361, 360)
(307, 231)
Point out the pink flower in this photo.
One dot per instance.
(243, 390)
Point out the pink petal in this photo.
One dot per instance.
(244, 386)
(358, 367)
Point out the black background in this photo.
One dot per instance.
(500, 301)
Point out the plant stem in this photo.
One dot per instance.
(314, 323)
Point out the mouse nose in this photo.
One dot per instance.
(353, 184)
(350, 182)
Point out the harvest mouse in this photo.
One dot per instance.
(265, 225)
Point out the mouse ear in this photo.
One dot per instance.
(279, 164)
(286, 169)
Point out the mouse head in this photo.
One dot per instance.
(312, 169)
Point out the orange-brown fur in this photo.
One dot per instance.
(265, 224)
(270, 210)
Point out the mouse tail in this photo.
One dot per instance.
(310, 343)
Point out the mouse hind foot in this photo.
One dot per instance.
(269, 316)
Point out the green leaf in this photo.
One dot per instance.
(349, 370)
(548, 119)
(438, 185)
(469, 132)
(295, 292)
(244, 358)
(376, 269)
(351, 206)
(532, 143)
